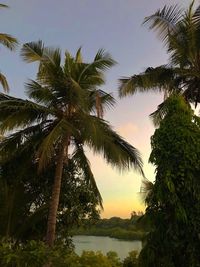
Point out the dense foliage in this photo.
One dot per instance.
(174, 203)
(24, 198)
(35, 254)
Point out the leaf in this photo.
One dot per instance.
(83, 163)
(32, 51)
(164, 21)
(78, 57)
(4, 83)
(8, 41)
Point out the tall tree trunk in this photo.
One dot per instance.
(51, 224)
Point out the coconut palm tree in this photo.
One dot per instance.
(9, 42)
(179, 30)
(61, 120)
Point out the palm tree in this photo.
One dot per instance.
(61, 120)
(179, 30)
(9, 42)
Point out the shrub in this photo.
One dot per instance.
(131, 260)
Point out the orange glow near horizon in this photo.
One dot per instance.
(121, 208)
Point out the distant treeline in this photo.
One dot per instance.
(128, 229)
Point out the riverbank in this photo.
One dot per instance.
(115, 227)
(116, 232)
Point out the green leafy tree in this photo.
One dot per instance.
(114, 259)
(97, 259)
(179, 30)
(173, 206)
(35, 254)
(18, 196)
(131, 260)
(25, 193)
(61, 119)
(9, 42)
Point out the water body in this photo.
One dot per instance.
(105, 244)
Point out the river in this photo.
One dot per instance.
(105, 244)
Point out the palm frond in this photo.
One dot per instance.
(164, 21)
(77, 94)
(4, 83)
(107, 100)
(196, 16)
(131, 157)
(52, 55)
(20, 113)
(190, 13)
(115, 150)
(184, 43)
(26, 139)
(166, 106)
(50, 71)
(102, 62)
(32, 51)
(83, 163)
(3, 6)
(146, 190)
(99, 101)
(78, 57)
(69, 62)
(192, 91)
(92, 80)
(53, 139)
(40, 94)
(179, 49)
(98, 105)
(4, 97)
(156, 79)
(158, 115)
(8, 41)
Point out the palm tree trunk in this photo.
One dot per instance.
(51, 224)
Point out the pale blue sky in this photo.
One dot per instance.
(114, 25)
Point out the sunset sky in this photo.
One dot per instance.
(114, 25)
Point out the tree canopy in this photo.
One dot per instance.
(9, 42)
(179, 30)
(173, 207)
(64, 117)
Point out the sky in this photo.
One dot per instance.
(116, 26)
